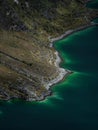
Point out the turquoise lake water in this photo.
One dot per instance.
(74, 104)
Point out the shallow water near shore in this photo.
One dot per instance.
(74, 103)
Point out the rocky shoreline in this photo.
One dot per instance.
(69, 32)
(63, 72)
(29, 62)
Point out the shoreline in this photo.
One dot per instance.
(63, 73)
(71, 31)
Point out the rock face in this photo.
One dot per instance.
(27, 62)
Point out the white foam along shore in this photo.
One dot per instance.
(63, 72)
(71, 31)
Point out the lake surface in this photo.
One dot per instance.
(74, 104)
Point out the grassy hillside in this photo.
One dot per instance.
(27, 63)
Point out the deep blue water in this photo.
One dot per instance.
(74, 104)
